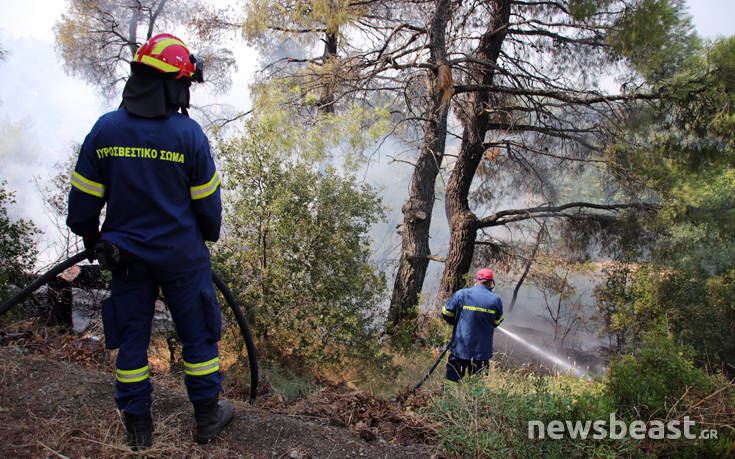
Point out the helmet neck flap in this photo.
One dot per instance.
(150, 93)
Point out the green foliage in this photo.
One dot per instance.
(281, 109)
(698, 310)
(295, 247)
(720, 311)
(722, 62)
(17, 246)
(691, 165)
(648, 383)
(489, 416)
(585, 9)
(434, 331)
(289, 384)
(655, 35)
(682, 149)
(293, 18)
(661, 382)
(616, 307)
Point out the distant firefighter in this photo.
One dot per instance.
(474, 312)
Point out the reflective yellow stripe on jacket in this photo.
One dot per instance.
(475, 308)
(489, 311)
(201, 369)
(446, 312)
(86, 185)
(202, 191)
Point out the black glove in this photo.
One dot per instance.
(108, 256)
(89, 243)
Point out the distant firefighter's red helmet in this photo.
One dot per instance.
(484, 274)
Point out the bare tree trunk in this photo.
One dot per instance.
(417, 210)
(463, 223)
(461, 247)
(133, 27)
(152, 18)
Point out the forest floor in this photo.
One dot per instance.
(56, 400)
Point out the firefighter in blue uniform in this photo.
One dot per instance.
(153, 168)
(474, 312)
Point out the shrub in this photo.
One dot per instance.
(296, 250)
(17, 248)
(698, 309)
(489, 416)
(649, 382)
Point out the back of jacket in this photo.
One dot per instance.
(479, 311)
(159, 181)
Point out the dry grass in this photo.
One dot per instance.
(54, 419)
(385, 384)
(56, 400)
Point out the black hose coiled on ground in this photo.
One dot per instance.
(229, 297)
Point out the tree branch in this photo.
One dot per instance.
(589, 99)
(512, 215)
(153, 18)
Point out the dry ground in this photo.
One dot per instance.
(56, 400)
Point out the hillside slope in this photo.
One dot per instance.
(49, 407)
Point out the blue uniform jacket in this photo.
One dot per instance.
(481, 311)
(160, 184)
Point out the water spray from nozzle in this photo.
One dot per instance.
(578, 372)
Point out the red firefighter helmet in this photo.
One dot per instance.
(168, 54)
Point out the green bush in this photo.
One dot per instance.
(17, 248)
(714, 341)
(489, 416)
(698, 309)
(295, 249)
(649, 382)
(433, 330)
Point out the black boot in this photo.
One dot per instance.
(212, 416)
(140, 430)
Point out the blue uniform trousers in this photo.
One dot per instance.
(128, 314)
(457, 368)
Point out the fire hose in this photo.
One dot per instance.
(441, 356)
(218, 282)
(433, 367)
